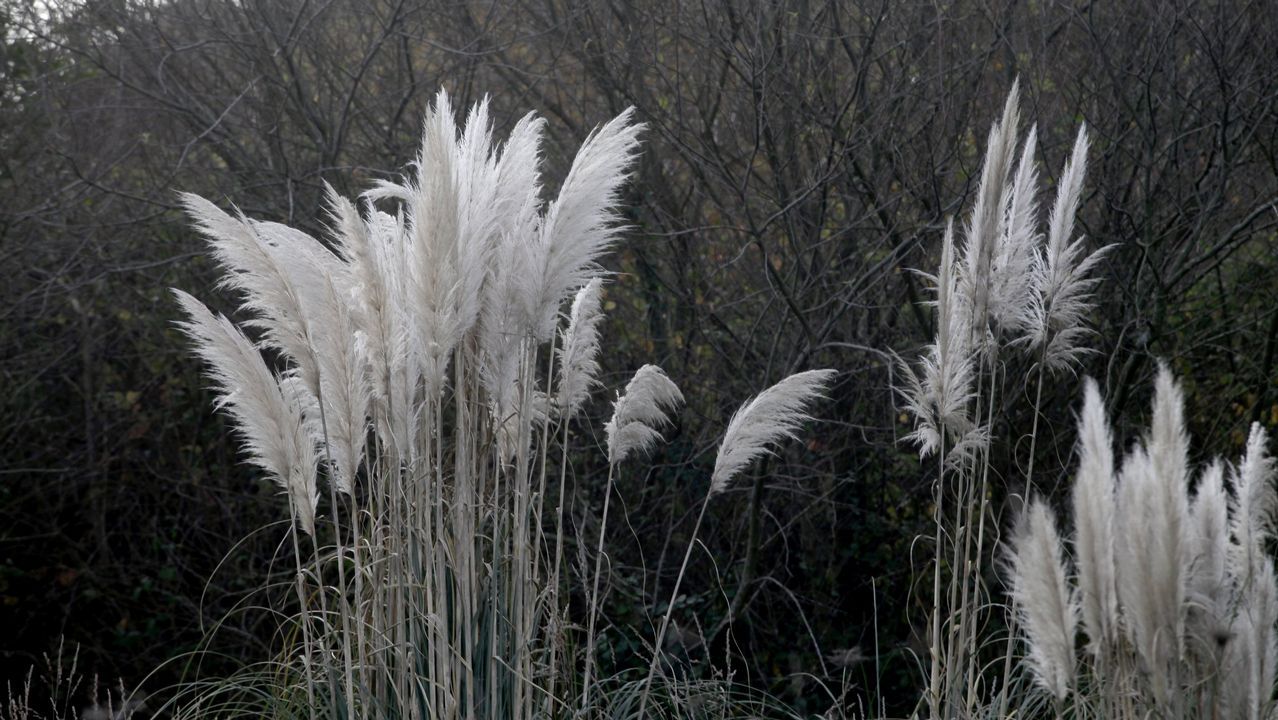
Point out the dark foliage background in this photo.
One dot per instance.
(800, 158)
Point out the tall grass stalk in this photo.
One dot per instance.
(411, 360)
(1001, 293)
(637, 417)
(772, 415)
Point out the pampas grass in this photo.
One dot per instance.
(991, 299)
(1093, 500)
(1207, 582)
(640, 412)
(577, 353)
(268, 421)
(1044, 599)
(773, 414)
(938, 396)
(424, 373)
(985, 230)
(411, 359)
(1195, 595)
(423, 368)
(1061, 273)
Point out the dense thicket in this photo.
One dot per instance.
(799, 159)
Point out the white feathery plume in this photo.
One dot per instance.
(516, 205)
(265, 278)
(1141, 588)
(581, 224)
(773, 414)
(1255, 502)
(1093, 501)
(323, 281)
(1169, 457)
(271, 425)
(435, 266)
(389, 238)
(985, 226)
(480, 198)
(1044, 603)
(577, 363)
(346, 392)
(938, 395)
(1208, 584)
(1251, 655)
(1153, 543)
(504, 326)
(1010, 295)
(640, 411)
(1069, 192)
(502, 334)
(367, 248)
(1062, 288)
(367, 270)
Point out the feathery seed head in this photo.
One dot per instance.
(1152, 553)
(988, 218)
(271, 425)
(1093, 505)
(1010, 293)
(577, 363)
(276, 283)
(1043, 599)
(773, 414)
(1255, 502)
(938, 394)
(1208, 585)
(643, 408)
(581, 224)
(1062, 288)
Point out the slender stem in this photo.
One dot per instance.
(954, 656)
(360, 644)
(980, 506)
(306, 617)
(594, 592)
(559, 552)
(546, 433)
(319, 584)
(1038, 399)
(934, 686)
(752, 556)
(665, 621)
(345, 608)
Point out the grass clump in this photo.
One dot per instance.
(404, 386)
(1176, 593)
